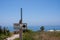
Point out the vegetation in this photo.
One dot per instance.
(42, 28)
(31, 35)
(16, 39)
(4, 33)
(28, 35)
(39, 35)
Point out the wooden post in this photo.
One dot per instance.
(21, 31)
(19, 26)
(20, 34)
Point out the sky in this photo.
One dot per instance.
(35, 12)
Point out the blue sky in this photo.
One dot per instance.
(35, 12)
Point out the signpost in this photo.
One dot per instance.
(20, 26)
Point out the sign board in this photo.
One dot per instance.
(19, 26)
(16, 26)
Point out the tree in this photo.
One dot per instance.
(8, 32)
(5, 30)
(0, 29)
(4, 33)
(42, 28)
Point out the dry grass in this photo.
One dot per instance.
(47, 36)
(41, 36)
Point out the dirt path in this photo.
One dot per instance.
(13, 37)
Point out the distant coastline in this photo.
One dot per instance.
(36, 28)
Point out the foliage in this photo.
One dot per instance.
(31, 35)
(0, 30)
(4, 32)
(16, 39)
(28, 35)
(42, 28)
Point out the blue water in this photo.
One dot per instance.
(36, 28)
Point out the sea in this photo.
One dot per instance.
(36, 28)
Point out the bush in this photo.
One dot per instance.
(4, 33)
(16, 39)
(42, 28)
(27, 36)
